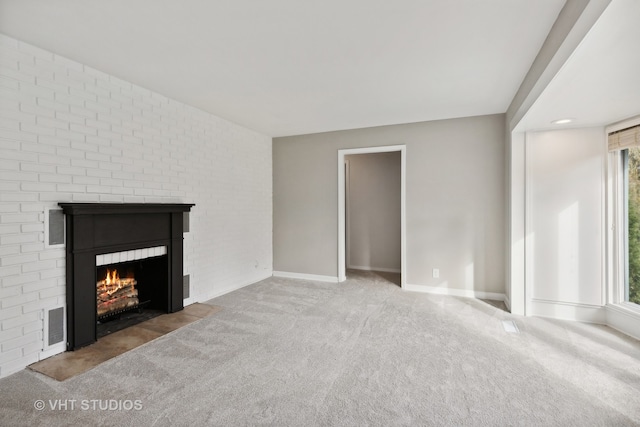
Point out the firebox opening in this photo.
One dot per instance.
(129, 293)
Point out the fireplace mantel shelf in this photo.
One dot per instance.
(122, 208)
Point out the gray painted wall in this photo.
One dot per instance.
(373, 206)
(455, 200)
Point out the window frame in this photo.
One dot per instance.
(624, 232)
(617, 222)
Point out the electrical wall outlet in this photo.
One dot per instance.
(436, 273)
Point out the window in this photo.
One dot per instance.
(631, 185)
(624, 148)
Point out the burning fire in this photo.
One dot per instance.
(115, 293)
(112, 282)
(112, 277)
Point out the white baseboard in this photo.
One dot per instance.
(218, 293)
(384, 270)
(569, 311)
(507, 302)
(623, 319)
(455, 292)
(303, 276)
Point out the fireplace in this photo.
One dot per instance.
(131, 288)
(120, 257)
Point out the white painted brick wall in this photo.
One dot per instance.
(69, 133)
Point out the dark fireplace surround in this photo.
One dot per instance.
(99, 228)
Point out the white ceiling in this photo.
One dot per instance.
(600, 83)
(286, 67)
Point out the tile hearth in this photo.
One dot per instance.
(71, 363)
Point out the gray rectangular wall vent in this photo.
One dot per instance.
(185, 286)
(55, 221)
(185, 222)
(56, 326)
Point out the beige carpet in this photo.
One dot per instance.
(285, 352)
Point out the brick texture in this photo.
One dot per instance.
(69, 133)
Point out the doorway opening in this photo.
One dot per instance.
(342, 206)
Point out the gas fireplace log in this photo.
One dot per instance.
(114, 286)
(107, 307)
(116, 291)
(124, 292)
(128, 281)
(124, 301)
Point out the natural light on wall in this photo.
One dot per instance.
(469, 277)
(568, 247)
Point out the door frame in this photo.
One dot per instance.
(342, 269)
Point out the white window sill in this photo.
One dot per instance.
(626, 307)
(624, 317)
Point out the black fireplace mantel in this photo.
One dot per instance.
(122, 208)
(98, 228)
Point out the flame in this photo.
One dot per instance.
(116, 293)
(112, 277)
(113, 283)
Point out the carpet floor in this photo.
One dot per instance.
(66, 365)
(286, 352)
